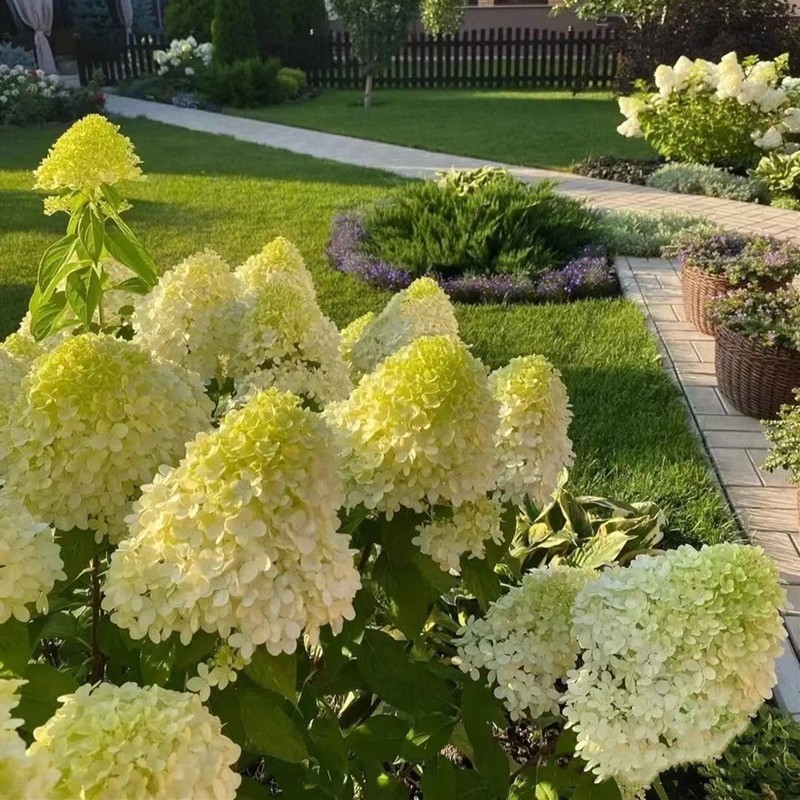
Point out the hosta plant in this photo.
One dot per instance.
(586, 532)
(228, 572)
(780, 173)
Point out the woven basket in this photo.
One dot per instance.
(757, 380)
(700, 288)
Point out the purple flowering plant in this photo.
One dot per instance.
(771, 319)
(589, 274)
(741, 259)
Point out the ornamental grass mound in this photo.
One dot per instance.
(227, 570)
(483, 235)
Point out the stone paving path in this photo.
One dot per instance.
(765, 504)
(411, 163)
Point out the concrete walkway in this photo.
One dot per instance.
(411, 163)
(765, 505)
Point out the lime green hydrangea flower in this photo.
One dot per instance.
(286, 341)
(679, 652)
(30, 561)
(463, 529)
(95, 419)
(22, 775)
(351, 334)
(419, 430)
(241, 539)
(525, 643)
(422, 309)
(91, 153)
(192, 315)
(532, 441)
(279, 258)
(140, 743)
(15, 361)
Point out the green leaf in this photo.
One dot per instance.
(250, 789)
(225, 706)
(481, 711)
(132, 285)
(130, 253)
(55, 259)
(91, 234)
(405, 596)
(45, 315)
(545, 791)
(62, 625)
(380, 738)
(117, 644)
(156, 661)
(39, 696)
(189, 655)
(431, 733)
(407, 685)
(77, 549)
(328, 745)
(269, 729)
(439, 779)
(15, 648)
(276, 673)
(480, 580)
(382, 786)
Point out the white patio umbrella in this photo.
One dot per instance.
(38, 14)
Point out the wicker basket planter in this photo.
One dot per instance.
(700, 288)
(757, 380)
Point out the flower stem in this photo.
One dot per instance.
(98, 659)
(660, 790)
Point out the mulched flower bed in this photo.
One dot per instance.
(590, 274)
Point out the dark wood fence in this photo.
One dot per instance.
(495, 58)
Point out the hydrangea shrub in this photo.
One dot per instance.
(226, 571)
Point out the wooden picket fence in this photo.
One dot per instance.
(494, 58)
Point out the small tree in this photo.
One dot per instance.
(91, 18)
(378, 28)
(442, 17)
(234, 32)
(184, 18)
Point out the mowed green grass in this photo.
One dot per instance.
(532, 128)
(630, 431)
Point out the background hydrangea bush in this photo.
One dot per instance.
(228, 570)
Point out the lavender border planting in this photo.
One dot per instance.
(590, 274)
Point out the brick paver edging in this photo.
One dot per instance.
(762, 503)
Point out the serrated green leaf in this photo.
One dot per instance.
(276, 673)
(91, 234)
(129, 252)
(250, 789)
(156, 661)
(77, 549)
(380, 738)
(481, 711)
(480, 580)
(269, 729)
(56, 258)
(61, 625)
(45, 314)
(15, 648)
(38, 698)
(328, 745)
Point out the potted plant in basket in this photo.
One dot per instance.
(784, 435)
(758, 349)
(715, 263)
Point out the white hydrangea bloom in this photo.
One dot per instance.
(463, 529)
(279, 258)
(22, 775)
(532, 442)
(30, 561)
(16, 356)
(630, 108)
(418, 431)
(679, 653)
(731, 77)
(285, 341)
(350, 335)
(791, 120)
(95, 419)
(665, 80)
(241, 539)
(525, 642)
(423, 309)
(771, 139)
(217, 672)
(191, 317)
(138, 743)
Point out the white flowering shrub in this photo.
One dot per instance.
(423, 309)
(727, 114)
(678, 654)
(227, 572)
(183, 59)
(139, 743)
(95, 418)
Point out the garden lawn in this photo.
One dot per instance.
(540, 129)
(630, 430)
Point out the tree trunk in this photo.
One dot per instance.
(368, 91)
